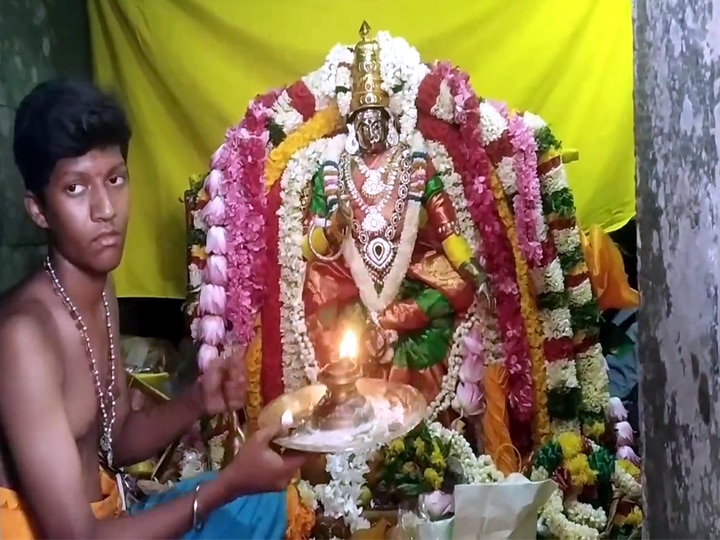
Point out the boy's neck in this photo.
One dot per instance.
(83, 288)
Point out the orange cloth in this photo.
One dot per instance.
(496, 421)
(15, 522)
(300, 518)
(607, 272)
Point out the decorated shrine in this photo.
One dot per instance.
(381, 195)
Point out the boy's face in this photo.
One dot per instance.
(85, 209)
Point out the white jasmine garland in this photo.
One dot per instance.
(586, 514)
(556, 323)
(462, 459)
(340, 497)
(444, 107)
(567, 240)
(581, 294)
(285, 115)
(299, 362)
(507, 176)
(492, 123)
(554, 181)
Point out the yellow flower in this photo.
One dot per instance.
(433, 478)
(437, 460)
(580, 472)
(634, 518)
(419, 447)
(395, 447)
(571, 444)
(320, 125)
(594, 430)
(198, 252)
(410, 469)
(629, 468)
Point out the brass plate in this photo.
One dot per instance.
(302, 402)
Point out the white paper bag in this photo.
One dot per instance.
(507, 509)
(435, 530)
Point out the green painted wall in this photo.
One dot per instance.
(39, 39)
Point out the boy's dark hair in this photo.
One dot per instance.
(62, 119)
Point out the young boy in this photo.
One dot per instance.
(63, 397)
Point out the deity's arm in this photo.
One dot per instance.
(315, 241)
(441, 217)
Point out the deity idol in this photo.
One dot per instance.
(381, 194)
(382, 247)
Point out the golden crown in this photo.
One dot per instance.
(367, 91)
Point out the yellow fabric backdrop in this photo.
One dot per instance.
(186, 70)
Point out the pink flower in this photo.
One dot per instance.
(624, 434)
(213, 181)
(216, 270)
(212, 329)
(438, 504)
(216, 240)
(212, 300)
(206, 355)
(214, 211)
(472, 369)
(616, 410)
(626, 452)
(468, 399)
(220, 157)
(195, 329)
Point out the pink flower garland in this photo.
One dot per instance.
(527, 204)
(499, 262)
(237, 233)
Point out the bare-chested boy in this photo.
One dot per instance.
(63, 397)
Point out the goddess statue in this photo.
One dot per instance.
(382, 247)
(382, 194)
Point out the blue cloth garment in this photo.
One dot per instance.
(261, 517)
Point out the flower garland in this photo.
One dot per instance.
(563, 392)
(341, 496)
(541, 422)
(299, 362)
(584, 314)
(470, 161)
(576, 464)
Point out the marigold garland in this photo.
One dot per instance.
(253, 363)
(321, 125)
(541, 421)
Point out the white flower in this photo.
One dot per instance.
(492, 123)
(533, 121)
(195, 277)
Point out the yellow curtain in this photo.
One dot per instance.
(186, 70)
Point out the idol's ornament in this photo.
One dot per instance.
(379, 201)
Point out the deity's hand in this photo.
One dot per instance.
(479, 277)
(339, 226)
(222, 386)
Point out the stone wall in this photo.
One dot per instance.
(39, 39)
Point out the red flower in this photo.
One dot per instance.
(561, 476)
(302, 99)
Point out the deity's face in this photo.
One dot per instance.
(372, 127)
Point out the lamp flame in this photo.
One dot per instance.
(349, 346)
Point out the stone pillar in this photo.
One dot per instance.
(677, 131)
